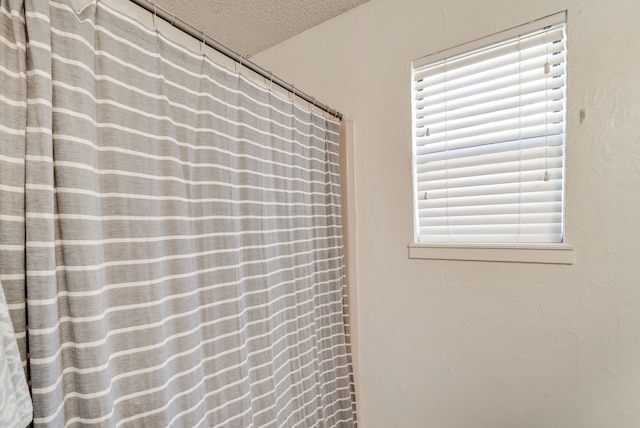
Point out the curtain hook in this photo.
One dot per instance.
(155, 12)
(239, 69)
(173, 20)
(82, 8)
(203, 43)
(292, 93)
(270, 80)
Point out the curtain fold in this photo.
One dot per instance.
(179, 229)
(13, 126)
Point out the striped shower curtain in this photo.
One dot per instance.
(170, 232)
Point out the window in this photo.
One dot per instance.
(489, 139)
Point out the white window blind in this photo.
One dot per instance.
(489, 138)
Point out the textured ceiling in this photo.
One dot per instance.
(251, 26)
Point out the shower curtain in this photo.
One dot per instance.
(170, 232)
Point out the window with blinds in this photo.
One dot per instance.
(489, 138)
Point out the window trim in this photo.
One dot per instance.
(562, 254)
(552, 253)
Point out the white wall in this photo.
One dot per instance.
(476, 344)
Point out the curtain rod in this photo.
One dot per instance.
(244, 62)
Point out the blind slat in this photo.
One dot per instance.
(479, 154)
(536, 130)
(502, 198)
(505, 113)
(440, 104)
(536, 185)
(508, 75)
(499, 219)
(536, 124)
(535, 160)
(488, 175)
(486, 209)
(514, 238)
(433, 114)
(494, 229)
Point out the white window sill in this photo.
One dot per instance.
(514, 253)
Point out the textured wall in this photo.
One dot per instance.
(471, 344)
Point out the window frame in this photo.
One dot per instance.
(551, 253)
